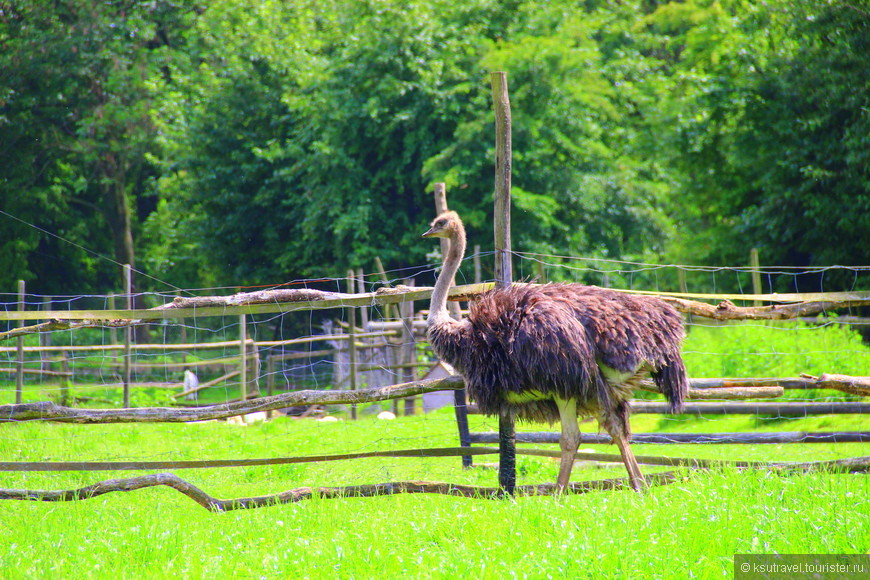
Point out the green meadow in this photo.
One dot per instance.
(689, 529)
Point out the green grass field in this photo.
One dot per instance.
(667, 532)
(689, 529)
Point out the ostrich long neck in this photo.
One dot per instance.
(455, 252)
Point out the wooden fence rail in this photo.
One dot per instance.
(46, 411)
(50, 411)
(695, 438)
(278, 301)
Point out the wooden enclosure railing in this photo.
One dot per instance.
(292, 300)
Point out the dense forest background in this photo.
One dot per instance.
(245, 142)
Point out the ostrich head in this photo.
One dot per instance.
(446, 225)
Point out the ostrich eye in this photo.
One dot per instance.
(440, 223)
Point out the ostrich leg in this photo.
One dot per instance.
(569, 441)
(634, 475)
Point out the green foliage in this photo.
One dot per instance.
(75, 124)
(766, 126)
(253, 142)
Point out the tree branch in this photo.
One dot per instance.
(852, 465)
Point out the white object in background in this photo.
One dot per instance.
(190, 382)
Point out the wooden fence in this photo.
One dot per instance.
(50, 411)
(279, 301)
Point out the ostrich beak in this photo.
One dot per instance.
(430, 232)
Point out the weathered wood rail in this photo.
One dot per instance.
(284, 300)
(47, 411)
(694, 438)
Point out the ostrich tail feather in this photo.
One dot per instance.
(671, 379)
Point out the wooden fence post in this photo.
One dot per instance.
(128, 337)
(270, 374)
(182, 327)
(45, 339)
(478, 274)
(756, 274)
(684, 288)
(361, 284)
(389, 309)
(243, 357)
(351, 341)
(64, 379)
(507, 474)
(254, 375)
(113, 333)
(409, 350)
(19, 355)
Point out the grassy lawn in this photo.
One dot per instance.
(689, 529)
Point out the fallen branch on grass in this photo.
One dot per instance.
(302, 493)
(854, 465)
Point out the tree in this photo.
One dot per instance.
(765, 129)
(76, 124)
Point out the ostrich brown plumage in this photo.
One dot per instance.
(556, 351)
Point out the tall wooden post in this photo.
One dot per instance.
(19, 351)
(540, 273)
(507, 473)
(460, 400)
(351, 341)
(128, 336)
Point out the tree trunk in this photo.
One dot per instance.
(116, 210)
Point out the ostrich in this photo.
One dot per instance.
(556, 351)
